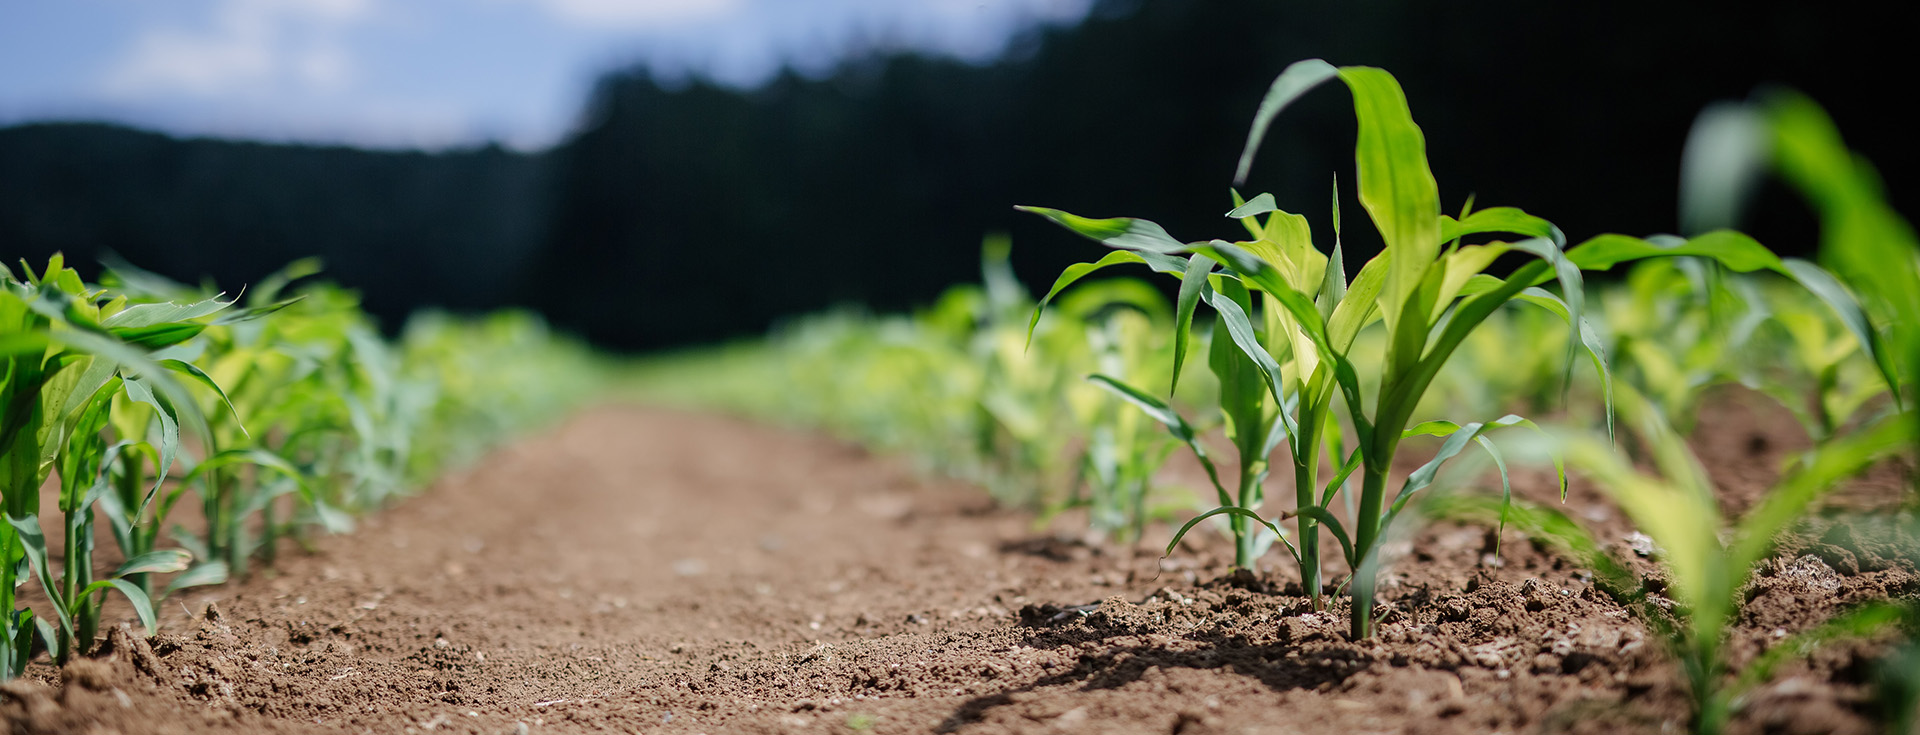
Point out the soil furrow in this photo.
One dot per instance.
(638, 570)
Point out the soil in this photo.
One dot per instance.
(640, 570)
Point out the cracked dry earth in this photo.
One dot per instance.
(638, 570)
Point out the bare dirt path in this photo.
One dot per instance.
(649, 571)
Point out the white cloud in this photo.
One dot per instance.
(638, 14)
(251, 44)
(325, 66)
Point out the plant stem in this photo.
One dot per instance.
(129, 486)
(7, 550)
(1306, 478)
(1366, 525)
(268, 534)
(1252, 469)
(73, 580)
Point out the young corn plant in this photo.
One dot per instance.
(1863, 239)
(97, 386)
(71, 355)
(1124, 450)
(1816, 371)
(1677, 508)
(1429, 289)
(1667, 330)
(241, 472)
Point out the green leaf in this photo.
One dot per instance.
(1743, 254)
(1262, 275)
(200, 376)
(1358, 308)
(1725, 154)
(139, 282)
(142, 606)
(1240, 330)
(1396, 187)
(332, 519)
(206, 573)
(134, 363)
(1152, 406)
(20, 647)
(138, 391)
(1457, 437)
(1226, 510)
(1829, 291)
(1506, 487)
(1169, 418)
(1122, 233)
(1296, 80)
(1333, 524)
(1497, 220)
(1862, 238)
(1077, 271)
(252, 313)
(1333, 285)
(256, 457)
(1340, 478)
(140, 316)
(1572, 286)
(270, 287)
(163, 561)
(1734, 250)
(1198, 267)
(34, 543)
(1258, 205)
(49, 636)
(1590, 341)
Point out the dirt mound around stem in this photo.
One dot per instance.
(652, 571)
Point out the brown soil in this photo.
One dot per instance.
(648, 571)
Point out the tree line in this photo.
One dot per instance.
(682, 210)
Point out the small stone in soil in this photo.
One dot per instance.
(690, 567)
(1641, 544)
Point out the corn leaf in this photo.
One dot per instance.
(202, 574)
(142, 606)
(1198, 267)
(163, 561)
(1159, 263)
(1176, 425)
(1396, 187)
(1296, 80)
(1222, 510)
(1121, 233)
(1509, 220)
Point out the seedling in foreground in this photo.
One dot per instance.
(1677, 508)
(67, 354)
(1430, 294)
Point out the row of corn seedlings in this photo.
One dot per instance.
(279, 413)
(1339, 369)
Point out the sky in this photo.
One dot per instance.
(436, 74)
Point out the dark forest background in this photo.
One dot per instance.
(682, 211)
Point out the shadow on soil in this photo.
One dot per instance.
(1281, 665)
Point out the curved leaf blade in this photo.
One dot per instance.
(1296, 80)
